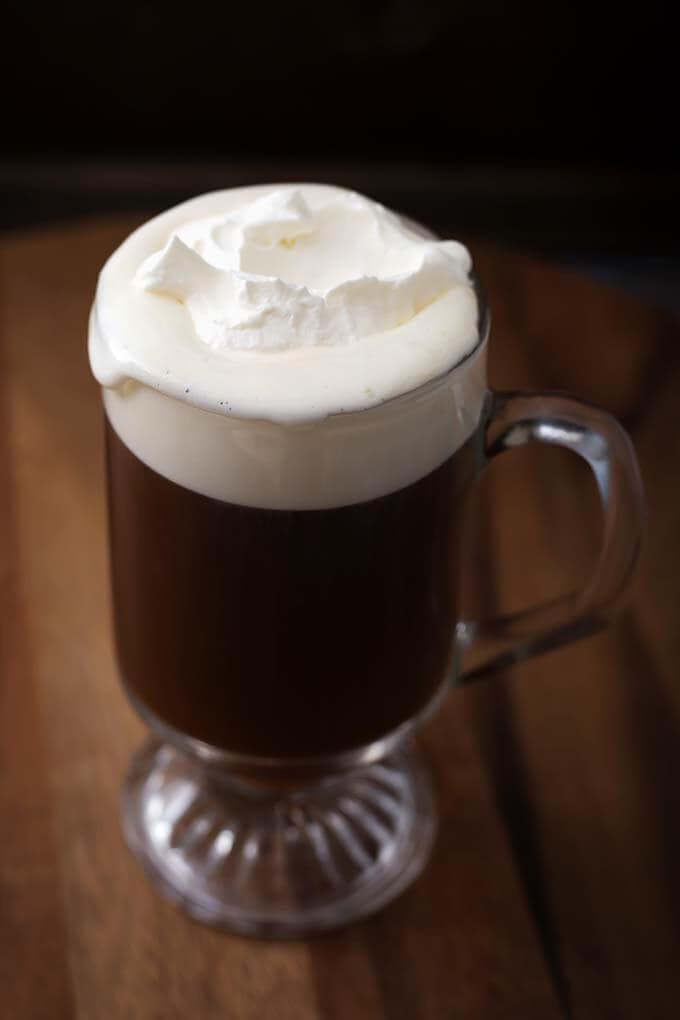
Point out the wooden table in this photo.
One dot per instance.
(554, 888)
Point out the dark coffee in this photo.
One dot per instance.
(275, 632)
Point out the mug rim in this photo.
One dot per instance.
(483, 331)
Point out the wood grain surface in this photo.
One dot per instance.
(554, 889)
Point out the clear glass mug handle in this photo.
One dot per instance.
(515, 420)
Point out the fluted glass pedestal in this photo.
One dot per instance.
(272, 862)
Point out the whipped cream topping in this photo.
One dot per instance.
(337, 306)
(277, 274)
(288, 347)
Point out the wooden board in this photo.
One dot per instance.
(554, 888)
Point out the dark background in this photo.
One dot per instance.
(551, 127)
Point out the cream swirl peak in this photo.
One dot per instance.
(276, 273)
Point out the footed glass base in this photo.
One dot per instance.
(277, 863)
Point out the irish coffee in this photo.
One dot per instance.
(294, 385)
(275, 632)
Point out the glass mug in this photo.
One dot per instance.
(284, 658)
